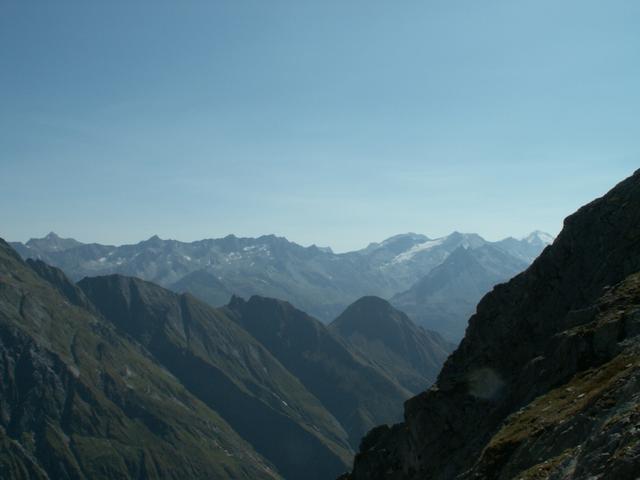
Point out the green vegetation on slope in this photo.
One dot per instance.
(225, 367)
(356, 393)
(78, 400)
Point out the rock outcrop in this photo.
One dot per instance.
(545, 382)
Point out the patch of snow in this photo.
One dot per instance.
(102, 259)
(233, 256)
(539, 237)
(421, 247)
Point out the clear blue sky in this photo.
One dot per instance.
(329, 122)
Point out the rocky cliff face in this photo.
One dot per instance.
(545, 382)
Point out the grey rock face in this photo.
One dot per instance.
(447, 296)
(545, 379)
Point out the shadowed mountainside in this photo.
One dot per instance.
(546, 383)
(447, 296)
(283, 394)
(228, 370)
(357, 394)
(78, 400)
(387, 338)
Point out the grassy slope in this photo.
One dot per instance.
(357, 394)
(80, 401)
(553, 435)
(391, 342)
(230, 371)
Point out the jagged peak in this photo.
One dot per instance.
(538, 236)
(236, 302)
(520, 333)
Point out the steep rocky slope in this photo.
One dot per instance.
(358, 394)
(388, 339)
(545, 382)
(283, 394)
(228, 370)
(445, 298)
(79, 401)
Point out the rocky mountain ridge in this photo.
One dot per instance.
(257, 389)
(353, 389)
(386, 337)
(314, 279)
(447, 296)
(78, 400)
(545, 382)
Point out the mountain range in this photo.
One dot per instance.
(114, 376)
(410, 269)
(546, 382)
(117, 377)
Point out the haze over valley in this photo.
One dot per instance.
(436, 281)
(336, 240)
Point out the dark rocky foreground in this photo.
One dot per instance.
(546, 383)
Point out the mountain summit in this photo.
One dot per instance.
(356, 393)
(314, 279)
(546, 383)
(447, 296)
(408, 354)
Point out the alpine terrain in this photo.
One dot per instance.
(316, 280)
(117, 377)
(546, 382)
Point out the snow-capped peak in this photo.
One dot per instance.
(538, 237)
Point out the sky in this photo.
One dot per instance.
(334, 122)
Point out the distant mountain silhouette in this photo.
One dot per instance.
(385, 336)
(356, 393)
(447, 296)
(314, 279)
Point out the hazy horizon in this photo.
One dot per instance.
(337, 123)
(66, 237)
